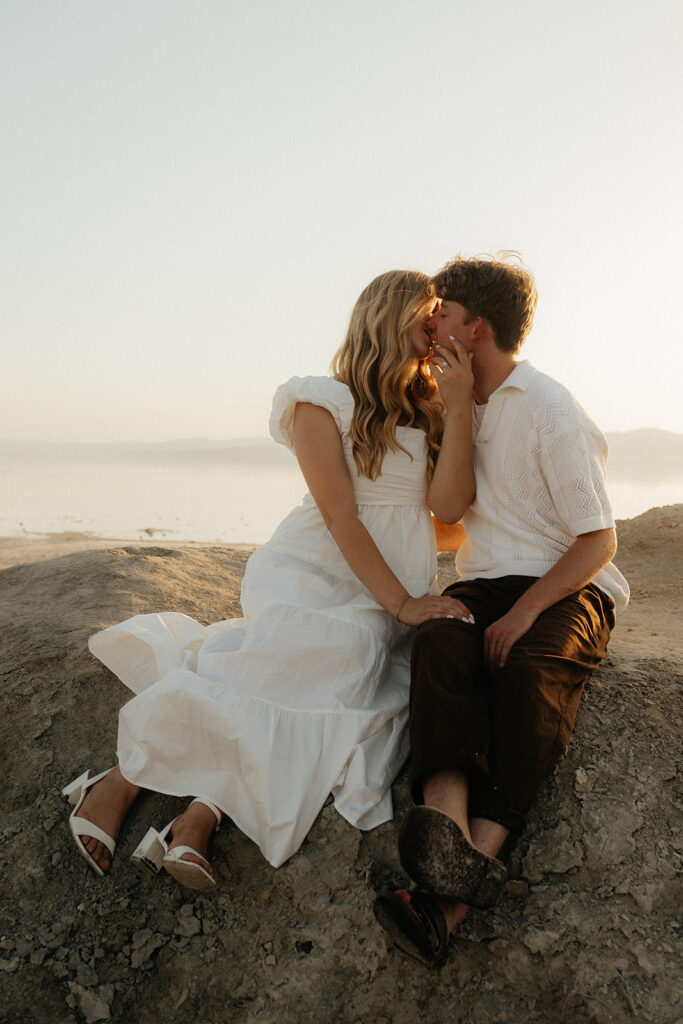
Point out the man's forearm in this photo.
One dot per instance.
(575, 569)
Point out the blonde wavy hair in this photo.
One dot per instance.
(389, 384)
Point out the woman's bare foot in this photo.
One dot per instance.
(194, 828)
(106, 804)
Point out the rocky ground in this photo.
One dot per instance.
(586, 933)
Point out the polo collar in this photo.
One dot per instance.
(519, 378)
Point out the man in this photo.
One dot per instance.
(494, 697)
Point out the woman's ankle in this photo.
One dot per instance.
(119, 790)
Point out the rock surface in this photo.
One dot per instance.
(586, 932)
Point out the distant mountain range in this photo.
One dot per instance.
(243, 450)
(184, 444)
(644, 455)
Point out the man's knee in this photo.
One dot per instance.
(448, 655)
(541, 698)
(530, 675)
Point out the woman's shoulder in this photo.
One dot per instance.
(326, 392)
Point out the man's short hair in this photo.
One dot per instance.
(502, 292)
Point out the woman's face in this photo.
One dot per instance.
(419, 332)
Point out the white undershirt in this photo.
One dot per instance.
(478, 412)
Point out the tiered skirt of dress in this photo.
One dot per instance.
(307, 694)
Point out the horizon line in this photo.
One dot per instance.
(244, 439)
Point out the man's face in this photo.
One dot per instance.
(450, 319)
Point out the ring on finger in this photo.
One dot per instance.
(444, 363)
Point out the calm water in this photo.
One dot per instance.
(197, 496)
(231, 504)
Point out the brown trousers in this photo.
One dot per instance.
(506, 729)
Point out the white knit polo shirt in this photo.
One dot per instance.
(540, 468)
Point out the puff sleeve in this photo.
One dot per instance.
(326, 392)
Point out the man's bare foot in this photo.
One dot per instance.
(194, 828)
(106, 804)
(487, 836)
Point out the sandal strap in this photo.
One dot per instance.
(432, 917)
(212, 807)
(415, 923)
(178, 852)
(82, 827)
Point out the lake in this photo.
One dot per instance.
(229, 492)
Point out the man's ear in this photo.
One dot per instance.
(479, 328)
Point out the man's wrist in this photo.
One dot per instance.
(531, 603)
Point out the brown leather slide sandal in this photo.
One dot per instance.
(438, 857)
(415, 923)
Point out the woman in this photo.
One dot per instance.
(261, 718)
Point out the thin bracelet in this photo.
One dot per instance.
(400, 608)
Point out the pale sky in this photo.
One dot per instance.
(194, 193)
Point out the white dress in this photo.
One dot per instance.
(307, 694)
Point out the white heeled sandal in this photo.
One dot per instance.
(152, 854)
(75, 793)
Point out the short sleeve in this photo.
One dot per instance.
(326, 392)
(574, 465)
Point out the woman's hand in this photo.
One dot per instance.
(452, 370)
(420, 609)
(452, 488)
